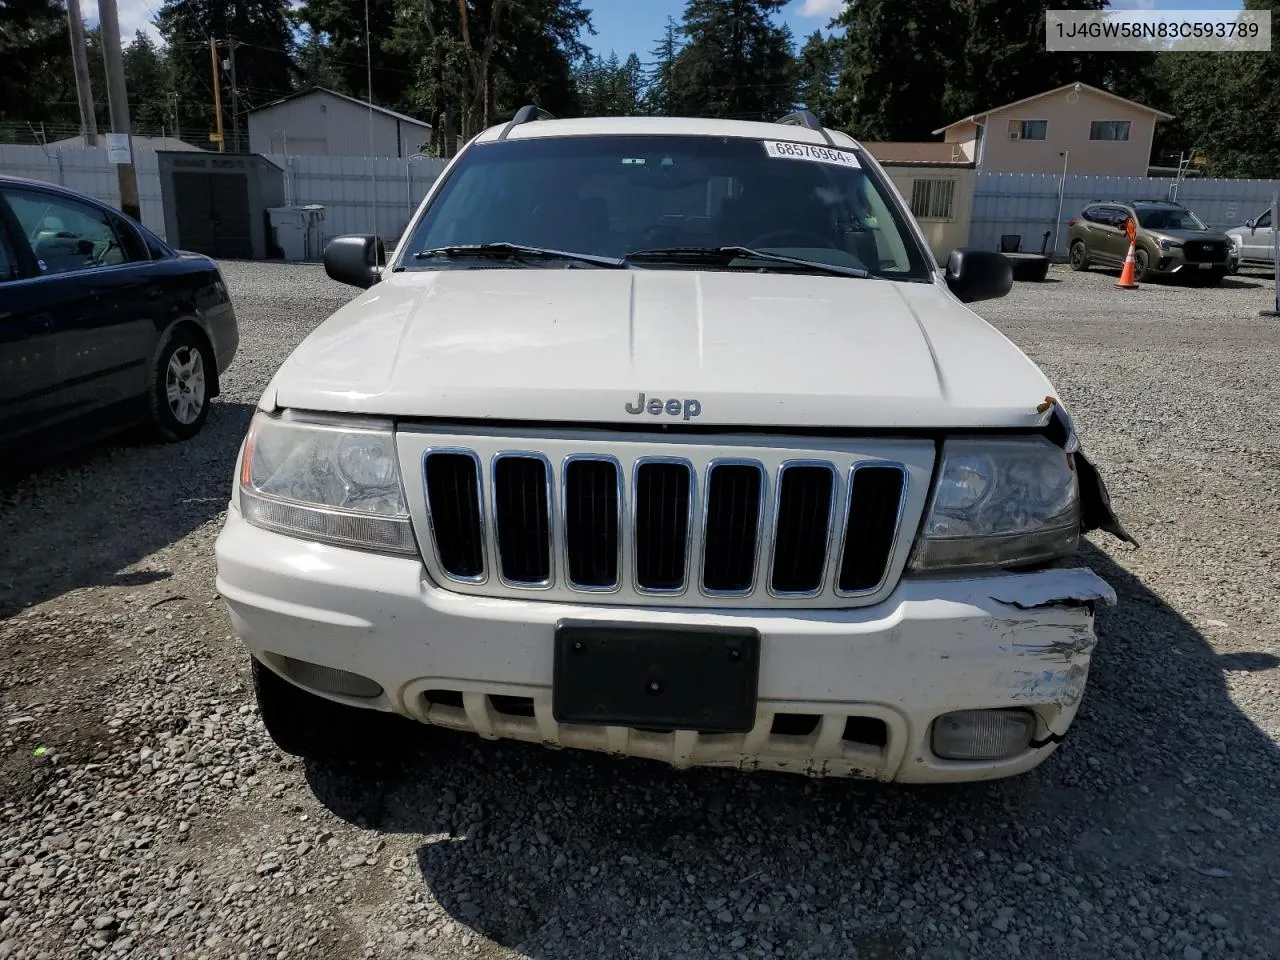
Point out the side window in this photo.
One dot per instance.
(65, 235)
(1264, 220)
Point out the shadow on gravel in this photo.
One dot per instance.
(1160, 808)
(85, 518)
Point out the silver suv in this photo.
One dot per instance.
(1254, 244)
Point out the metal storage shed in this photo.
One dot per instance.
(216, 204)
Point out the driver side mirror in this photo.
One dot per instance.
(355, 259)
(976, 275)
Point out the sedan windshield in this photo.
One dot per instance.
(1169, 218)
(678, 202)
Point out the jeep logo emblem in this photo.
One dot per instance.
(672, 408)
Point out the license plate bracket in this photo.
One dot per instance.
(656, 678)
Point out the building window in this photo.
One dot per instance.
(932, 199)
(1109, 130)
(1028, 129)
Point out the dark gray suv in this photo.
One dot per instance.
(1171, 241)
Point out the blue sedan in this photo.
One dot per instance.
(103, 326)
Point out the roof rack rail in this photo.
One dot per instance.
(526, 114)
(804, 118)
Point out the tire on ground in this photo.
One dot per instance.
(181, 385)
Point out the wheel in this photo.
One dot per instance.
(305, 725)
(1078, 254)
(1141, 262)
(180, 385)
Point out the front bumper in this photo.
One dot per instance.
(934, 646)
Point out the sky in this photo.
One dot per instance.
(627, 26)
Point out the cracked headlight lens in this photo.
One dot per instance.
(332, 481)
(1000, 502)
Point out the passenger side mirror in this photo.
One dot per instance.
(356, 259)
(976, 275)
(1252, 225)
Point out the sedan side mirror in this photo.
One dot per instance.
(355, 259)
(976, 275)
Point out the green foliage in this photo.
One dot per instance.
(36, 81)
(661, 79)
(609, 88)
(817, 70)
(737, 62)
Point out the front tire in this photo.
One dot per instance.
(309, 726)
(1078, 255)
(1141, 265)
(181, 383)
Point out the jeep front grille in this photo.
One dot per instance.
(705, 524)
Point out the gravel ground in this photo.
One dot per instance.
(143, 812)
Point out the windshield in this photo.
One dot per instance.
(1169, 218)
(616, 195)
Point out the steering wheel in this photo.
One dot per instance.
(807, 236)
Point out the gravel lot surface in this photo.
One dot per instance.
(143, 812)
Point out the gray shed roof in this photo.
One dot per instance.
(404, 118)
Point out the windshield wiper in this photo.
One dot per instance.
(505, 250)
(726, 255)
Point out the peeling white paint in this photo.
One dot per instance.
(1075, 586)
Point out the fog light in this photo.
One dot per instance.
(331, 680)
(982, 734)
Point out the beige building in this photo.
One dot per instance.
(1093, 131)
(937, 180)
(323, 123)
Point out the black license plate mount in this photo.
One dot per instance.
(656, 678)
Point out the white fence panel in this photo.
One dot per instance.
(87, 170)
(1027, 203)
(360, 194)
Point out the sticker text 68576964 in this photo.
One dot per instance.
(785, 150)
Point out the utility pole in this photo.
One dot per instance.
(217, 96)
(80, 63)
(118, 100)
(235, 99)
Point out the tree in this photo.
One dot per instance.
(817, 69)
(661, 80)
(899, 56)
(737, 62)
(335, 55)
(607, 88)
(147, 80)
(36, 81)
(1228, 106)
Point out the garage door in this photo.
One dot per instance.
(213, 214)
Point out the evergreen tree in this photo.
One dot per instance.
(817, 69)
(899, 56)
(36, 80)
(737, 62)
(1227, 106)
(662, 77)
(146, 79)
(608, 88)
(341, 58)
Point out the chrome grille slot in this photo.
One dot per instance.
(455, 513)
(663, 501)
(522, 518)
(592, 530)
(876, 496)
(802, 527)
(731, 531)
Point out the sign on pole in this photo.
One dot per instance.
(119, 149)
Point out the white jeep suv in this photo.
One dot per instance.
(668, 438)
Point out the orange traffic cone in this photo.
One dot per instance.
(1126, 281)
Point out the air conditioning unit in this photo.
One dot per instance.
(1015, 135)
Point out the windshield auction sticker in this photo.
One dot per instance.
(785, 150)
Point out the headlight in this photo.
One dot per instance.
(1170, 244)
(334, 482)
(1000, 502)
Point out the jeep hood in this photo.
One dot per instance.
(751, 349)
